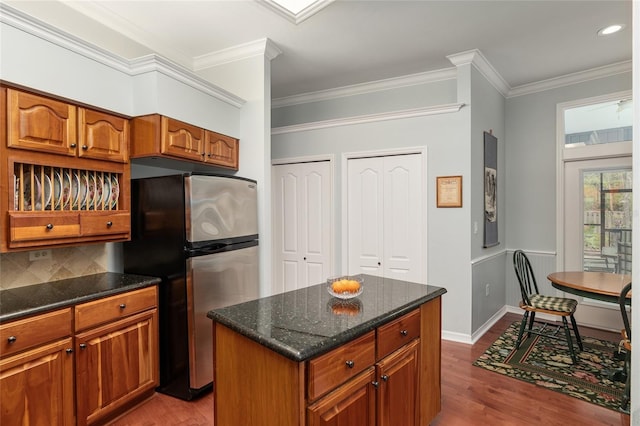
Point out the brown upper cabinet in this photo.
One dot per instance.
(156, 135)
(48, 125)
(65, 173)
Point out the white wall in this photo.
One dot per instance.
(531, 160)
(445, 138)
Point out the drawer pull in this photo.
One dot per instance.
(49, 225)
(122, 306)
(350, 364)
(384, 377)
(69, 350)
(83, 346)
(404, 332)
(12, 339)
(109, 224)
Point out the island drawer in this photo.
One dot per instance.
(111, 308)
(26, 333)
(328, 371)
(397, 333)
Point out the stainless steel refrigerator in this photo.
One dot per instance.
(199, 234)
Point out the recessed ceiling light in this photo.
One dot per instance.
(611, 29)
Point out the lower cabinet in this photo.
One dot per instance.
(383, 395)
(36, 386)
(387, 377)
(354, 403)
(114, 350)
(397, 379)
(115, 364)
(116, 353)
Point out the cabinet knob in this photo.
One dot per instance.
(350, 364)
(304, 258)
(83, 346)
(122, 306)
(404, 332)
(69, 350)
(85, 147)
(375, 384)
(109, 224)
(73, 145)
(379, 263)
(12, 339)
(49, 225)
(384, 377)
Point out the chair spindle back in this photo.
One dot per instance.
(526, 278)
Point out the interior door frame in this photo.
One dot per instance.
(346, 156)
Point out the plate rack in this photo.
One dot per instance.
(45, 188)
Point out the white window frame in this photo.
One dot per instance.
(563, 154)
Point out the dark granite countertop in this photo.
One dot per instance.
(301, 324)
(24, 301)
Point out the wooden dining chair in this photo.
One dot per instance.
(626, 344)
(533, 302)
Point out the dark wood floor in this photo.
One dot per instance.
(470, 396)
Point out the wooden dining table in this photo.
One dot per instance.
(604, 286)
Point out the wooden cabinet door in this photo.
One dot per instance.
(36, 386)
(115, 363)
(221, 150)
(397, 376)
(181, 140)
(103, 136)
(40, 124)
(351, 404)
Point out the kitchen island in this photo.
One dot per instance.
(306, 358)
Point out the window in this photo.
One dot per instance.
(607, 210)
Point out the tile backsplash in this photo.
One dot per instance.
(16, 270)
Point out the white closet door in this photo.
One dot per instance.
(365, 215)
(302, 224)
(403, 218)
(385, 217)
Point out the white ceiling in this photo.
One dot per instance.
(351, 42)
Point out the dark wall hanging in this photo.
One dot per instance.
(490, 190)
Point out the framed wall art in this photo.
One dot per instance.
(490, 190)
(449, 191)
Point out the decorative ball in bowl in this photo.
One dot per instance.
(345, 286)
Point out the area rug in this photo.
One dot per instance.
(546, 362)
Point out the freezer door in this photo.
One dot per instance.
(215, 281)
(220, 208)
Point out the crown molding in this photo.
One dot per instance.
(133, 67)
(155, 63)
(295, 18)
(263, 47)
(117, 23)
(363, 88)
(476, 58)
(28, 24)
(369, 118)
(569, 79)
